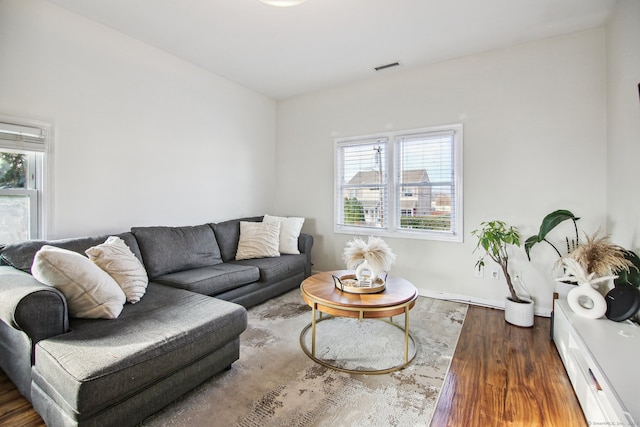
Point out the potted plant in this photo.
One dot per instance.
(494, 239)
(627, 275)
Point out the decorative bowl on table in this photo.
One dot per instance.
(349, 283)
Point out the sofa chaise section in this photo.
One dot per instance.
(156, 350)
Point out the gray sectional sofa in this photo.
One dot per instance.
(184, 330)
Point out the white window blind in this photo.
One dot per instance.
(362, 185)
(426, 182)
(20, 137)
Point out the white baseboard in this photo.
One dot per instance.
(474, 301)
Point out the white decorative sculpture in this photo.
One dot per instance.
(575, 272)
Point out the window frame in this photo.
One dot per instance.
(40, 180)
(394, 185)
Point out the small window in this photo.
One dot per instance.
(22, 165)
(413, 183)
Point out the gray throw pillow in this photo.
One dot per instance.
(228, 235)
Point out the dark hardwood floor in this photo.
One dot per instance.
(504, 375)
(500, 375)
(15, 410)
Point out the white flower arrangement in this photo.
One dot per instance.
(375, 252)
(575, 272)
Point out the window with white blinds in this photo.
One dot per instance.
(362, 184)
(23, 146)
(401, 184)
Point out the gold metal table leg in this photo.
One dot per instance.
(406, 334)
(313, 329)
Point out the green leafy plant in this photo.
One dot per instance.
(13, 170)
(494, 238)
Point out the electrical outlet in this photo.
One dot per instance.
(495, 274)
(478, 271)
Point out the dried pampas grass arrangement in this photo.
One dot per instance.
(600, 257)
(375, 251)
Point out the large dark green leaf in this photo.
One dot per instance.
(548, 223)
(631, 277)
(552, 220)
(528, 244)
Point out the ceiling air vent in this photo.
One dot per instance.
(384, 67)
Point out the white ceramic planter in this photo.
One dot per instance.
(562, 289)
(519, 313)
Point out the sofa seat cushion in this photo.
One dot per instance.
(276, 268)
(102, 362)
(169, 249)
(212, 280)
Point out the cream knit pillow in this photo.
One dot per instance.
(90, 292)
(115, 257)
(258, 240)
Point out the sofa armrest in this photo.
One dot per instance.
(27, 305)
(305, 243)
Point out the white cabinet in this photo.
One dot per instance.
(602, 359)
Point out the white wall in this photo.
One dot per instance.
(623, 76)
(535, 140)
(145, 138)
(141, 137)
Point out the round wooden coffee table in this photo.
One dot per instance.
(322, 296)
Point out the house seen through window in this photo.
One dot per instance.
(402, 184)
(22, 160)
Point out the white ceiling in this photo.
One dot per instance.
(282, 52)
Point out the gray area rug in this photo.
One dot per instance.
(275, 384)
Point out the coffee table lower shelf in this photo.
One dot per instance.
(408, 356)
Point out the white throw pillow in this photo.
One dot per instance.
(90, 292)
(290, 228)
(115, 257)
(258, 240)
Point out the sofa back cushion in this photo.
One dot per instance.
(169, 249)
(20, 255)
(228, 235)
